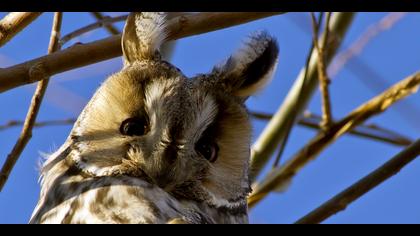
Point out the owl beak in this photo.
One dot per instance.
(159, 167)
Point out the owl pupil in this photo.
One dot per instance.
(208, 150)
(133, 127)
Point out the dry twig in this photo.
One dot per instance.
(109, 27)
(85, 54)
(104, 22)
(322, 71)
(26, 133)
(360, 43)
(357, 66)
(280, 176)
(370, 131)
(364, 185)
(14, 123)
(292, 117)
(15, 22)
(297, 98)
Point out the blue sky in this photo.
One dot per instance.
(392, 56)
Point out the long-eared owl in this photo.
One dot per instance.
(153, 146)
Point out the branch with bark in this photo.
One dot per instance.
(104, 22)
(370, 131)
(324, 81)
(364, 185)
(81, 55)
(350, 53)
(13, 23)
(282, 175)
(297, 98)
(28, 125)
(109, 27)
(15, 123)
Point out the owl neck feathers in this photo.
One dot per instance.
(238, 205)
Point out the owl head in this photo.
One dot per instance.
(189, 136)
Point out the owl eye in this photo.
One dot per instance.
(208, 150)
(134, 126)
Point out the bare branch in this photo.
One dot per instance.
(14, 123)
(84, 54)
(296, 99)
(290, 120)
(364, 185)
(15, 22)
(109, 27)
(104, 22)
(370, 131)
(362, 70)
(357, 46)
(26, 133)
(322, 71)
(283, 174)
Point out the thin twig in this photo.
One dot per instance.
(273, 133)
(282, 175)
(364, 185)
(350, 58)
(15, 22)
(15, 123)
(104, 22)
(81, 55)
(360, 43)
(26, 133)
(294, 114)
(370, 131)
(361, 69)
(322, 71)
(109, 27)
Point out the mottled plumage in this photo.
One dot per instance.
(153, 146)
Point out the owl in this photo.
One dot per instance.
(153, 146)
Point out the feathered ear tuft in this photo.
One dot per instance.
(251, 67)
(144, 33)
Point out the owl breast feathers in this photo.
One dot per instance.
(153, 146)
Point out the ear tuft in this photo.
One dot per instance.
(252, 66)
(143, 35)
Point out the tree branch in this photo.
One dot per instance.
(322, 70)
(109, 27)
(283, 174)
(15, 22)
(104, 22)
(14, 123)
(362, 70)
(364, 185)
(371, 131)
(360, 43)
(292, 116)
(26, 133)
(274, 132)
(84, 54)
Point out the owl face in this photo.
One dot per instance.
(188, 136)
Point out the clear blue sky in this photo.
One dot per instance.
(392, 55)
